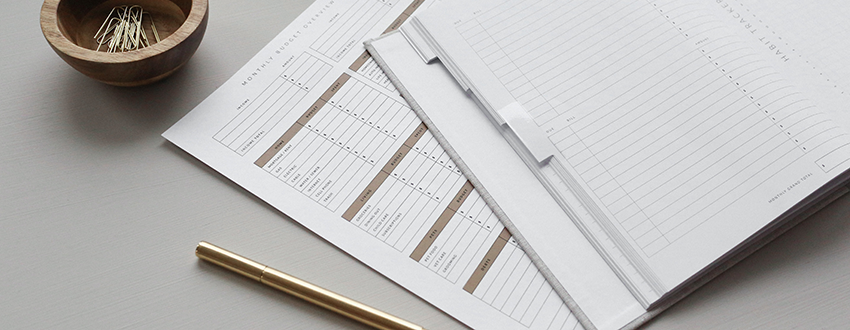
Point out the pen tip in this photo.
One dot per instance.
(197, 248)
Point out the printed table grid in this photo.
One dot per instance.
(371, 71)
(351, 128)
(516, 288)
(273, 104)
(627, 168)
(332, 149)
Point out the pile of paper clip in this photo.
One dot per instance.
(123, 30)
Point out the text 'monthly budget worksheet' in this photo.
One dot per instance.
(312, 126)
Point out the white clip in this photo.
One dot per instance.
(521, 123)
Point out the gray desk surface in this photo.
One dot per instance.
(99, 215)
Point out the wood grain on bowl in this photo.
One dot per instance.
(70, 25)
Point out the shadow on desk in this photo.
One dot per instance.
(809, 262)
(287, 303)
(113, 116)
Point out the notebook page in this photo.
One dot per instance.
(584, 276)
(677, 132)
(816, 32)
(312, 126)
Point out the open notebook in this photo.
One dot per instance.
(663, 140)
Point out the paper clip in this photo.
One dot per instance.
(124, 30)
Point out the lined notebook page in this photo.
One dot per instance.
(673, 123)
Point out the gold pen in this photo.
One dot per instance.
(302, 289)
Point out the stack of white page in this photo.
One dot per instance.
(639, 147)
(312, 126)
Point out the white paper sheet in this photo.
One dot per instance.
(681, 133)
(572, 260)
(313, 127)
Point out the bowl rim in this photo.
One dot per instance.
(57, 39)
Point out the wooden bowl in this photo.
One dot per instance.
(70, 25)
